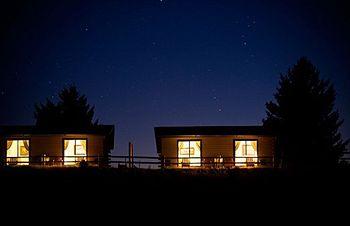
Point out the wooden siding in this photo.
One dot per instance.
(52, 145)
(215, 146)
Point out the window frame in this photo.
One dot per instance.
(234, 148)
(18, 151)
(75, 141)
(188, 140)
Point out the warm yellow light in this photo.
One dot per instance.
(74, 151)
(246, 153)
(189, 153)
(17, 152)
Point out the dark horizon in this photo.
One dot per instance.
(167, 63)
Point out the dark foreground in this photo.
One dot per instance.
(164, 188)
(140, 182)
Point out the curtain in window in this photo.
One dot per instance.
(254, 144)
(26, 144)
(198, 144)
(9, 144)
(237, 143)
(66, 142)
(83, 143)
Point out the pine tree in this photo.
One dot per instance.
(304, 119)
(71, 111)
(47, 115)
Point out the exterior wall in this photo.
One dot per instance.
(215, 146)
(52, 145)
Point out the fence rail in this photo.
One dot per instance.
(120, 161)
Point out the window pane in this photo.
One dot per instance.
(246, 153)
(74, 151)
(12, 148)
(189, 153)
(183, 153)
(184, 148)
(80, 147)
(195, 147)
(69, 158)
(17, 152)
(23, 148)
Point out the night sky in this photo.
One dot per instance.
(167, 62)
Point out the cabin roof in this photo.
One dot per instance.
(105, 130)
(207, 130)
(210, 130)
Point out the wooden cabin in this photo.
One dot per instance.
(30, 145)
(215, 146)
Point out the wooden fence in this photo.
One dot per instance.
(141, 161)
(148, 162)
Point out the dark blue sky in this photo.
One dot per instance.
(171, 62)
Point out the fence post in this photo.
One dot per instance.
(131, 155)
(162, 162)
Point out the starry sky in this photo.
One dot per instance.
(167, 62)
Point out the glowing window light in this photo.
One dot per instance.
(17, 152)
(189, 153)
(246, 153)
(74, 151)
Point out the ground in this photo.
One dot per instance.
(164, 188)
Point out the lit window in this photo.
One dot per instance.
(189, 153)
(17, 152)
(74, 151)
(246, 153)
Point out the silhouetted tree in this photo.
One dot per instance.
(304, 119)
(71, 111)
(47, 115)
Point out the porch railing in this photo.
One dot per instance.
(147, 161)
(143, 161)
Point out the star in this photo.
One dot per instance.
(84, 27)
